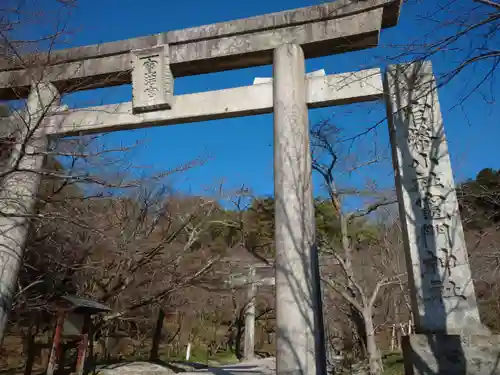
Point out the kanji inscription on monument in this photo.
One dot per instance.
(152, 79)
(441, 281)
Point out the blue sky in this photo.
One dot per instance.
(240, 150)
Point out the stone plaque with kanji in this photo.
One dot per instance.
(152, 79)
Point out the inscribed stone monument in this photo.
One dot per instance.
(441, 279)
(450, 338)
(152, 79)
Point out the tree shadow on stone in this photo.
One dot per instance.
(299, 332)
(432, 287)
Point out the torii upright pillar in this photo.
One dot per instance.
(300, 350)
(20, 187)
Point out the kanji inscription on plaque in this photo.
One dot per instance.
(152, 79)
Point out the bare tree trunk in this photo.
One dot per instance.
(240, 323)
(356, 316)
(153, 356)
(30, 347)
(396, 321)
(374, 360)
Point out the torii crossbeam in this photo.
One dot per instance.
(336, 27)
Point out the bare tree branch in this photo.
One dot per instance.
(489, 2)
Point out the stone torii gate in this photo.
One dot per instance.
(252, 281)
(442, 293)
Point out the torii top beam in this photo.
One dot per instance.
(340, 26)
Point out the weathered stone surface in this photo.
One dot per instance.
(451, 354)
(250, 100)
(297, 349)
(339, 8)
(320, 38)
(152, 79)
(336, 9)
(322, 31)
(19, 189)
(316, 73)
(442, 292)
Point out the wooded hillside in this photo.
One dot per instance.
(158, 249)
